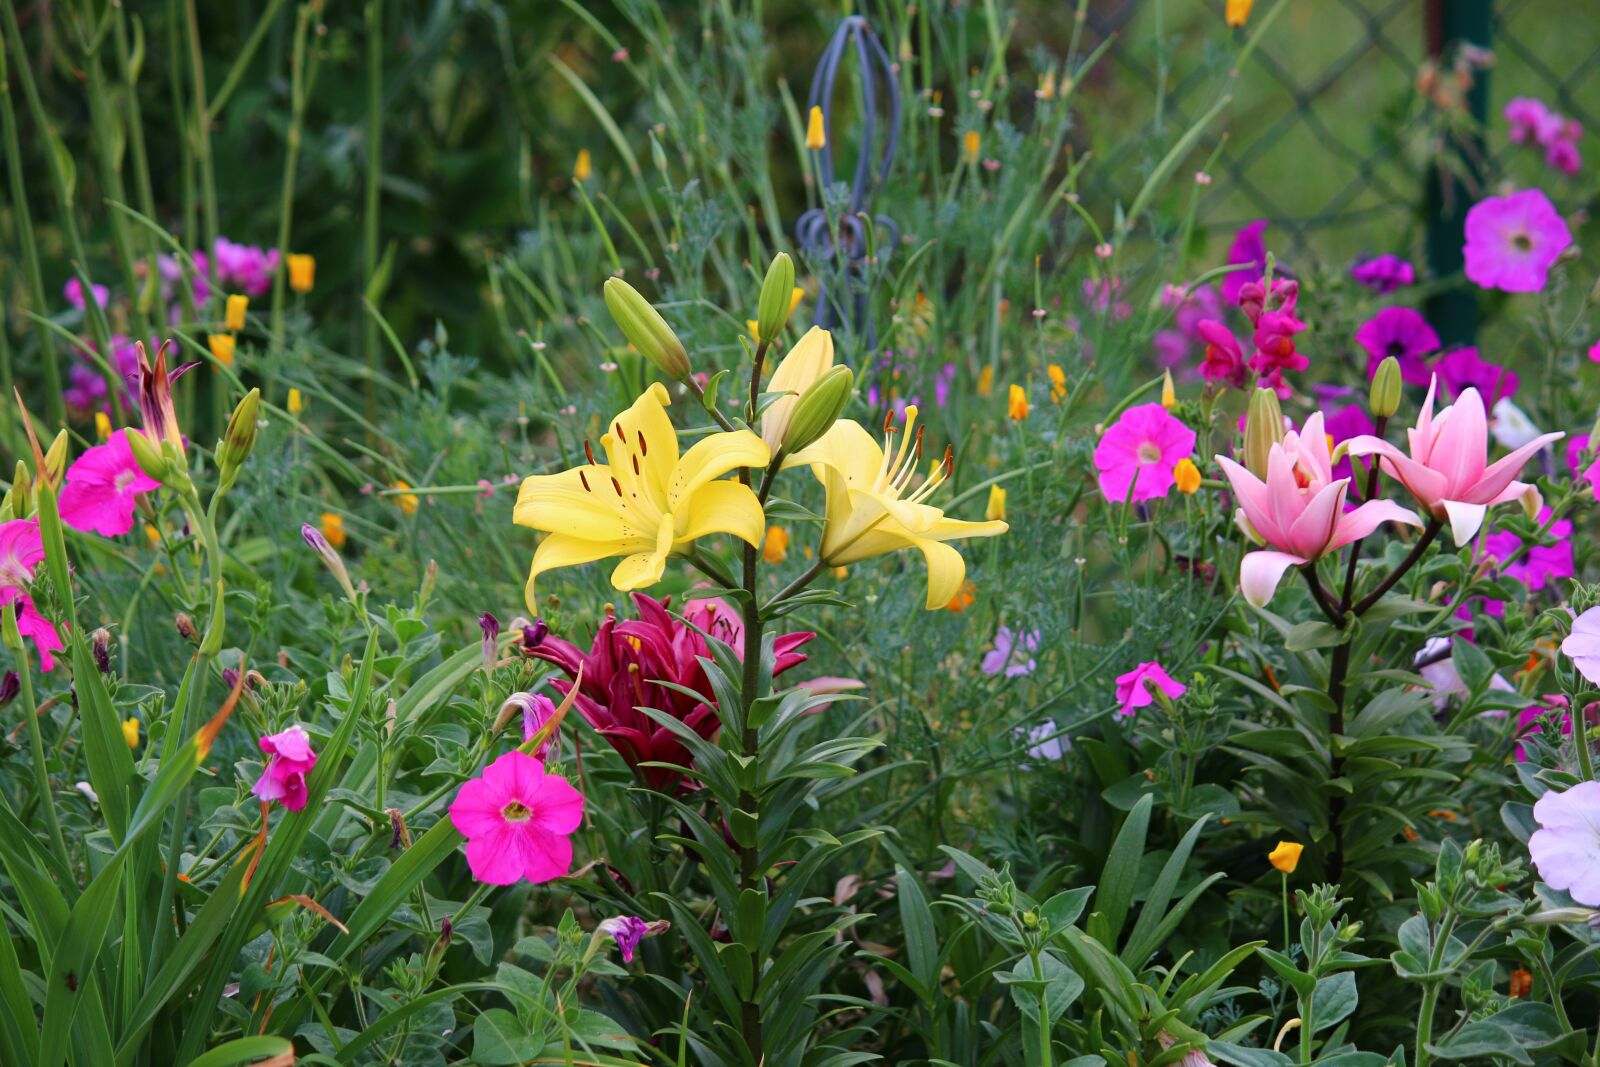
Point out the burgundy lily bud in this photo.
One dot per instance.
(491, 639)
(100, 642)
(1252, 298)
(10, 686)
(186, 628)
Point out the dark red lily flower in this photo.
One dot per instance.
(624, 668)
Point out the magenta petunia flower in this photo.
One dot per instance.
(1594, 352)
(1135, 689)
(1249, 248)
(289, 760)
(1525, 116)
(245, 268)
(1566, 847)
(1530, 721)
(1135, 457)
(1512, 241)
(21, 549)
(103, 487)
(1402, 333)
(1581, 464)
(1345, 424)
(1012, 653)
(1540, 564)
(1383, 274)
(1582, 645)
(73, 291)
(1461, 368)
(517, 821)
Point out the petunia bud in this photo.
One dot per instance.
(818, 408)
(646, 330)
(148, 455)
(1263, 428)
(1385, 392)
(1532, 502)
(777, 298)
(100, 644)
(240, 437)
(330, 558)
(490, 625)
(185, 627)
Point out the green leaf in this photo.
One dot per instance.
(916, 919)
(1333, 1000)
(500, 1040)
(243, 1050)
(1061, 984)
(1142, 942)
(1482, 1039)
(1312, 634)
(1120, 875)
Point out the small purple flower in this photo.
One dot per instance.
(1402, 333)
(1541, 563)
(1013, 657)
(1383, 274)
(1461, 368)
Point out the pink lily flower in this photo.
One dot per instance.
(1299, 510)
(1448, 470)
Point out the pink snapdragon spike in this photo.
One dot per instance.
(517, 821)
(1513, 241)
(1137, 454)
(102, 488)
(1582, 645)
(1299, 510)
(1566, 847)
(1224, 359)
(1137, 688)
(289, 760)
(1448, 470)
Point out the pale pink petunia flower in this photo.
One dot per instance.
(1448, 469)
(1582, 645)
(1135, 689)
(1136, 455)
(1512, 241)
(1566, 847)
(103, 487)
(289, 760)
(517, 820)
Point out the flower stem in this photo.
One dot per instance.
(749, 803)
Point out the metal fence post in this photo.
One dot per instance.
(1453, 312)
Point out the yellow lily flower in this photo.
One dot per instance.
(645, 504)
(808, 360)
(873, 509)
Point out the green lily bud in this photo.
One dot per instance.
(1263, 428)
(646, 330)
(55, 460)
(818, 408)
(239, 439)
(148, 455)
(777, 291)
(19, 500)
(1385, 394)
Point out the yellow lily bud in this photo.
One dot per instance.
(801, 368)
(148, 455)
(236, 306)
(816, 135)
(1017, 403)
(1186, 476)
(996, 511)
(582, 168)
(818, 408)
(239, 439)
(645, 329)
(102, 426)
(1286, 857)
(302, 271)
(55, 458)
(222, 345)
(1263, 428)
(775, 549)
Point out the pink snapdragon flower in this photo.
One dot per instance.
(1566, 847)
(1383, 274)
(517, 821)
(1136, 456)
(1402, 333)
(1513, 241)
(1249, 248)
(1136, 689)
(289, 760)
(1448, 470)
(1224, 359)
(103, 487)
(1299, 509)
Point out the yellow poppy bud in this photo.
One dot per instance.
(971, 143)
(130, 732)
(986, 381)
(407, 501)
(237, 304)
(1169, 391)
(333, 529)
(1186, 476)
(1237, 12)
(996, 511)
(1286, 857)
(1058, 383)
(296, 403)
(963, 598)
(841, 573)
(1017, 403)
(816, 135)
(302, 272)
(795, 297)
(583, 167)
(776, 547)
(102, 425)
(222, 345)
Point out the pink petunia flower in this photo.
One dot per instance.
(1135, 689)
(1512, 241)
(1012, 653)
(1581, 464)
(103, 487)
(1249, 248)
(289, 760)
(73, 291)
(1541, 564)
(1383, 274)
(1299, 509)
(1136, 455)
(517, 820)
(1582, 645)
(1461, 368)
(1448, 469)
(1566, 847)
(245, 268)
(1402, 333)
(1526, 116)
(21, 549)
(34, 626)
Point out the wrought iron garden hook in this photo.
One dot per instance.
(880, 97)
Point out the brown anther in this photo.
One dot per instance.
(584, 480)
(949, 461)
(888, 421)
(635, 465)
(920, 430)
(644, 446)
(617, 426)
(589, 453)
(616, 485)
